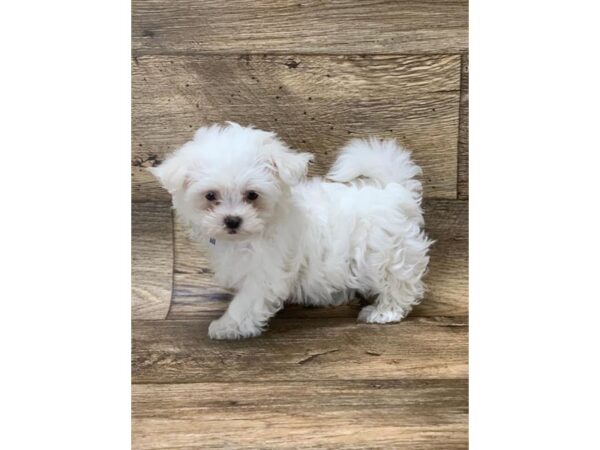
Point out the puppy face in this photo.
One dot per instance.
(230, 180)
(231, 200)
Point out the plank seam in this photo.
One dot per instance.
(430, 320)
(460, 81)
(173, 263)
(137, 53)
(250, 381)
(207, 318)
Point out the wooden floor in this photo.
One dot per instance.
(318, 73)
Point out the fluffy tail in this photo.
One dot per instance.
(382, 161)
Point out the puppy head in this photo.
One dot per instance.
(229, 180)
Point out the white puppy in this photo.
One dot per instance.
(274, 236)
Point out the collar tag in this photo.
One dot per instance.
(212, 240)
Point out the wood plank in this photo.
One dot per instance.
(416, 414)
(179, 351)
(463, 132)
(315, 103)
(196, 295)
(306, 26)
(152, 260)
(447, 223)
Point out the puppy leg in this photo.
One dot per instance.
(390, 306)
(247, 314)
(400, 284)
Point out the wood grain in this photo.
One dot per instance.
(415, 414)
(196, 295)
(463, 132)
(151, 260)
(179, 351)
(307, 26)
(315, 103)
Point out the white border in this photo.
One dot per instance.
(65, 184)
(534, 247)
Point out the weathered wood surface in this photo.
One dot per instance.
(179, 351)
(463, 132)
(196, 295)
(315, 103)
(151, 260)
(305, 26)
(415, 414)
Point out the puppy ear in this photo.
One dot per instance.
(290, 166)
(172, 174)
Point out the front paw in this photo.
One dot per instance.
(227, 328)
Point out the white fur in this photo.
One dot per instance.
(313, 241)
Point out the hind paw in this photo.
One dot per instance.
(370, 314)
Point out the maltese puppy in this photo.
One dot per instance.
(274, 236)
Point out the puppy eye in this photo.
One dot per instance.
(251, 195)
(211, 196)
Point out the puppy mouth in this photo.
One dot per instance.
(232, 232)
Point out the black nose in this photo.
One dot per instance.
(233, 222)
